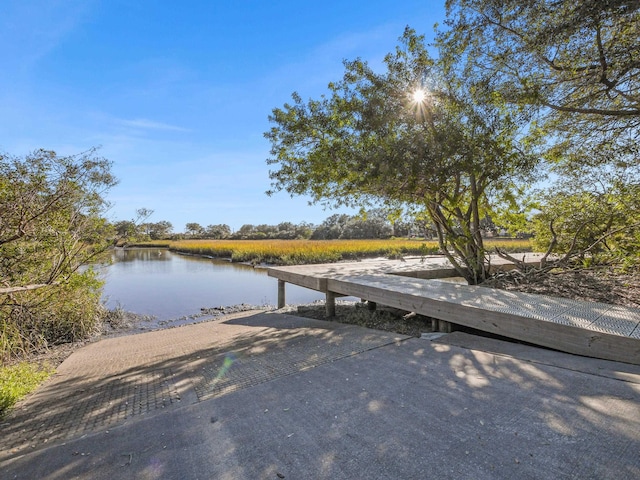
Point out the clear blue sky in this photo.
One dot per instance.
(177, 94)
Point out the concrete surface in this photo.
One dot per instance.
(269, 396)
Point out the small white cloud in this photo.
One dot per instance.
(151, 125)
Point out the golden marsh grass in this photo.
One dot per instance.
(295, 252)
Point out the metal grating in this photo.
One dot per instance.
(582, 315)
(542, 310)
(598, 317)
(617, 321)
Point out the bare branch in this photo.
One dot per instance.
(8, 290)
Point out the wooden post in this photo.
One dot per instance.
(281, 297)
(435, 324)
(330, 304)
(445, 327)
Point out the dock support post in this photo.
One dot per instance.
(281, 297)
(445, 327)
(330, 304)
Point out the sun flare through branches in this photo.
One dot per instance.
(419, 96)
(419, 99)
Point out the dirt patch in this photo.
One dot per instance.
(363, 314)
(51, 356)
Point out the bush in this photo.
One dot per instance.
(598, 226)
(51, 225)
(32, 320)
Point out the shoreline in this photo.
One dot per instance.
(597, 285)
(347, 311)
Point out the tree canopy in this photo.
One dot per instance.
(577, 63)
(50, 214)
(409, 136)
(571, 69)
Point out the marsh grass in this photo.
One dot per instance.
(296, 252)
(18, 380)
(292, 252)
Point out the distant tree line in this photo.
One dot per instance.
(376, 223)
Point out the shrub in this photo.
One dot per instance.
(67, 312)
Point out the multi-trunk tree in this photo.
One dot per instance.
(413, 136)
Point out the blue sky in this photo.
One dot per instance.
(178, 94)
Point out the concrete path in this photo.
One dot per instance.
(266, 395)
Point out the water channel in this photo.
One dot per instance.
(167, 285)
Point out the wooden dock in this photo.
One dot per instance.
(584, 328)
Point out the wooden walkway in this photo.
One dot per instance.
(584, 328)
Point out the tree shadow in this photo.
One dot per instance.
(457, 408)
(93, 394)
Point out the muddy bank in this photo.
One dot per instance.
(121, 322)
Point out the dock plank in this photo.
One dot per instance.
(585, 328)
(604, 331)
(427, 267)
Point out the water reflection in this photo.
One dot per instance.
(139, 254)
(168, 285)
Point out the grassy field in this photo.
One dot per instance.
(296, 252)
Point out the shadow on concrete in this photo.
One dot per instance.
(392, 408)
(264, 348)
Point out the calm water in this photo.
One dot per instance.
(168, 286)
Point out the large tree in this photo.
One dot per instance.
(407, 136)
(574, 68)
(194, 229)
(51, 224)
(159, 230)
(577, 63)
(218, 231)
